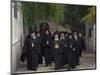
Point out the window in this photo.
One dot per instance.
(90, 33)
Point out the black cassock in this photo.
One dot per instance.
(30, 51)
(57, 55)
(81, 44)
(78, 48)
(47, 44)
(40, 59)
(64, 47)
(72, 53)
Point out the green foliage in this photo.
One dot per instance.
(35, 11)
(91, 16)
(74, 16)
(56, 13)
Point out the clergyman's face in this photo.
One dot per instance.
(38, 34)
(70, 37)
(56, 37)
(80, 35)
(75, 36)
(47, 32)
(62, 36)
(33, 35)
(66, 34)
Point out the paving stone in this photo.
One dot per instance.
(87, 61)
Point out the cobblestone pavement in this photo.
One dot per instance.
(87, 61)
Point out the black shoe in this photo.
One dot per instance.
(78, 64)
(73, 67)
(49, 64)
(56, 68)
(80, 55)
(31, 69)
(46, 65)
(40, 63)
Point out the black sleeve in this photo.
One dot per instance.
(24, 51)
(51, 42)
(38, 49)
(75, 44)
(83, 43)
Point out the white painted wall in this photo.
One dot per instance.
(17, 36)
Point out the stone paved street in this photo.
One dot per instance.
(87, 61)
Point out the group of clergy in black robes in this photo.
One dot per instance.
(61, 48)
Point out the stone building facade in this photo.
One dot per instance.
(90, 37)
(17, 34)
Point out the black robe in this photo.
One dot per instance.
(78, 48)
(47, 49)
(72, 53)
(40, 58)
(30, 50)
(57, 55)
(81, 45)
(64, 47)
